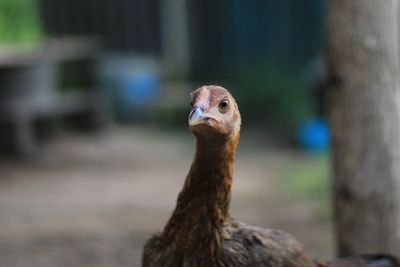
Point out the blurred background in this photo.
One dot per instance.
(94, 99)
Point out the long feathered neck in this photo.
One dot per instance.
(196, 225)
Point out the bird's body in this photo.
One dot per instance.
(201, 232)
(243, 246)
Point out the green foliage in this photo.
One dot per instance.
(172, 115)
(310, 180)
(19, 22)
(269, 95)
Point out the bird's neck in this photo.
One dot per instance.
(203, 205)
(210, 178)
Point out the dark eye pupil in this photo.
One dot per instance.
(224, 104)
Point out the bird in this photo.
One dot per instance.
(201, 231)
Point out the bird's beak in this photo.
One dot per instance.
(197, 117)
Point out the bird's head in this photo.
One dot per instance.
(214, 113)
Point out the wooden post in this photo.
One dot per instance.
(363, 60)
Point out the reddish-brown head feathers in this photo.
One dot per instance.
(214, 113)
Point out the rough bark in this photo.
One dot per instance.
(364, 103)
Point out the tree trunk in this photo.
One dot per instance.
(364, 103)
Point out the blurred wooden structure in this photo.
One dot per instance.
(30, 90)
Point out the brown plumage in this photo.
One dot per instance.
(201, 232)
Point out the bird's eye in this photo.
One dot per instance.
(224, 104)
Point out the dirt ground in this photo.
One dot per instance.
(91, 200)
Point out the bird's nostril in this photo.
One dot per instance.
(202, 107)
